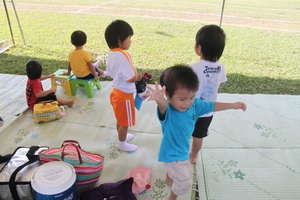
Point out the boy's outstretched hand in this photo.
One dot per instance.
(239, 105)
(156, 93)
(219, 106)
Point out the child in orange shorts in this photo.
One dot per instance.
(119, 66)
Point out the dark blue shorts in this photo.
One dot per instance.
(201, 127)
(90, 76)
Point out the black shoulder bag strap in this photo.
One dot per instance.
(31, 159)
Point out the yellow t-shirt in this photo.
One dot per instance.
(78, 60)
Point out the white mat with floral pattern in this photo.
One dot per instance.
(247, 155)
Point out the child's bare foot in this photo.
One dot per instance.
(193, 159)
(71, 103)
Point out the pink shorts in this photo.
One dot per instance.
(180, 172)
(123, 106)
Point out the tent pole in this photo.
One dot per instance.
(222, 12)
(8, 20)
(13, 4)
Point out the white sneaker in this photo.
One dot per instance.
(124, 146)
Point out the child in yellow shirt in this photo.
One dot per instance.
(80, 61)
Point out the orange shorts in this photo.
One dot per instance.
(123, 105)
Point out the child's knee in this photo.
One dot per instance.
(182, 187)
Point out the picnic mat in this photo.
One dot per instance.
(252, 155)
(247, 155)
(13, 97)
(12, 90)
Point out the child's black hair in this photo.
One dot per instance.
(117, 30)
(33, 69)
(78, 38)
(211, 38)
(180, 76)
(161, 77)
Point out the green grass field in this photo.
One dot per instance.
(261, 53)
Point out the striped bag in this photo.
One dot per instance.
(88, 166)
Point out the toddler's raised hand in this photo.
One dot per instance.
(156, 93)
